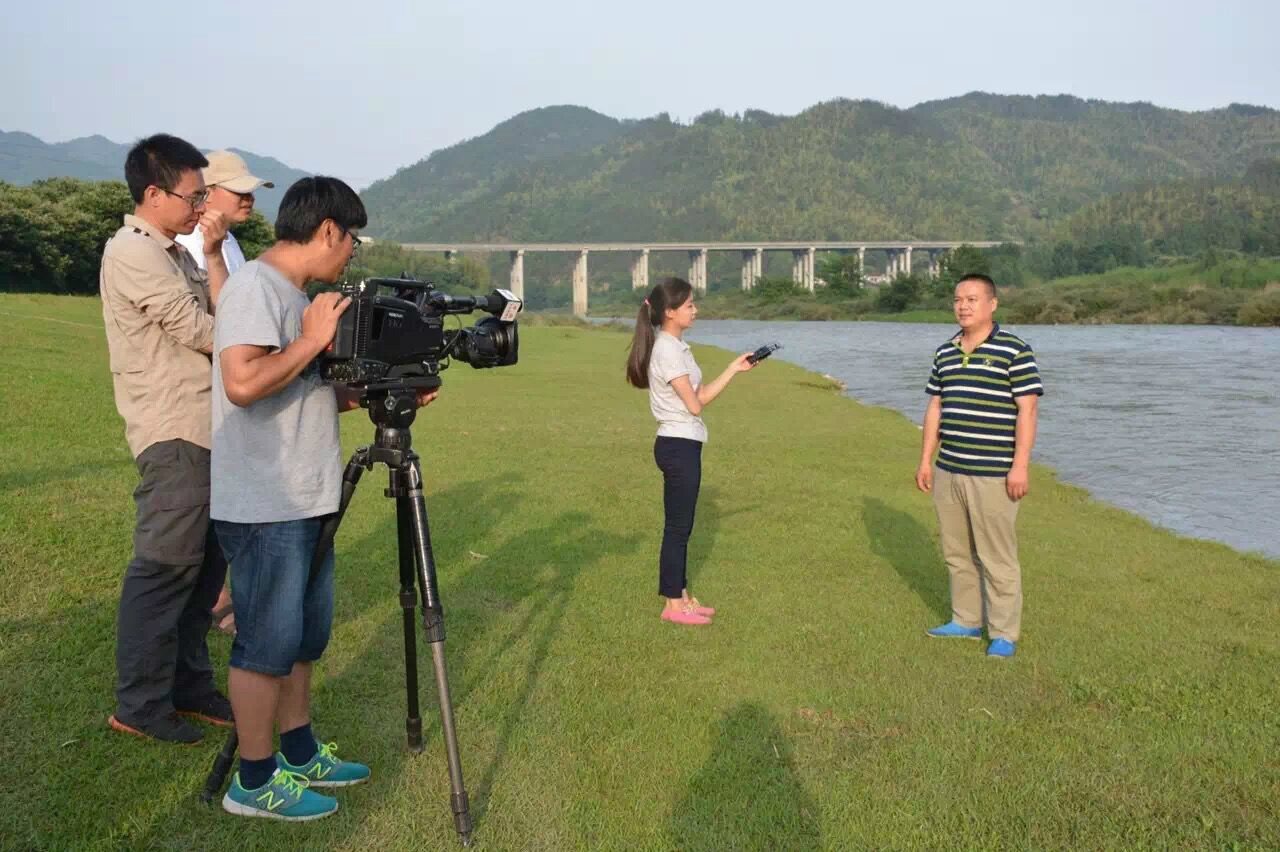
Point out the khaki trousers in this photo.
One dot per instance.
(980, 546)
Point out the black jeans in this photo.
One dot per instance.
(170, 586)
(680, 460)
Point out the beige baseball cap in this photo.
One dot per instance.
(228, 170)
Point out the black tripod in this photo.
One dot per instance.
(392, 410)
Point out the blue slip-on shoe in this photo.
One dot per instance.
(326, 770)
(1002, 648)
(285, 796)
(951, 630)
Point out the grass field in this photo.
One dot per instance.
(1140, 712)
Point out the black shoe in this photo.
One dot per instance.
(169, 729)
(213, 708)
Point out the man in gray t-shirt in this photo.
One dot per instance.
(278, 459)
(276, 473)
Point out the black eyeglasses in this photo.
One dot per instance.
(355, 239)
(195, 199)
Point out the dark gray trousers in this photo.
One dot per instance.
(170, 586)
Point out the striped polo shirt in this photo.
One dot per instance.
(978, 411)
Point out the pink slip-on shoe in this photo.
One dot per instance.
(707, 611)
(684, 617)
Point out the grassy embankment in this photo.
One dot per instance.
(814, 714)
(1232, 292)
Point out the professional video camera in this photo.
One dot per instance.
(393, 334)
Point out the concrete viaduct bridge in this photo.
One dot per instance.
(900, 258)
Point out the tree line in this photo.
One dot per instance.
(52, 234)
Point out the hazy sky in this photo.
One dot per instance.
(359, 89)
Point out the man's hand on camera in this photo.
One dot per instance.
(426, 397)
(320, 319)
(213, 225)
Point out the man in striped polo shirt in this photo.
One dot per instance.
(982, 411)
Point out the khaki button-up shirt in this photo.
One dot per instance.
(159, 322)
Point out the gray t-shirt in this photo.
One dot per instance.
(669, 360)
(278, 459)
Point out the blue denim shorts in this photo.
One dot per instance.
(284, 611)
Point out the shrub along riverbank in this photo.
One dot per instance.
(814, 714)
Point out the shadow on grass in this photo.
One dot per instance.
(706, 532)
(748, 794)
(558, 552)
(909, 547)
(708, 520)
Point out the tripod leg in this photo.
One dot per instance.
(433, 623)
(404, 531)
(221, 766)
(350, 479)
(458, 799)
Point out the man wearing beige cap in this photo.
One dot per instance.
(231, 189)
(216, 251)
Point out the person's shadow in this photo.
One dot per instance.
(749, 780)
(706, 532)
(909, 547)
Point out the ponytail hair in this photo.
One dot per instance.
(667, 295)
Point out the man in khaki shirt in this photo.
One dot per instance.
(157, 310)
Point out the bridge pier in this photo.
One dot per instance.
(640, 270)
(580, 284)
(862, 264)
(906, 260)
(752, 267)
(517, 273)
(935, 263)
(698, 270)
(802, 266)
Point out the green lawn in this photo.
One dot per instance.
(1140, 711)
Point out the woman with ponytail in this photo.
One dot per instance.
(660, 361)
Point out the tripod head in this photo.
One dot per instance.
(391, 406)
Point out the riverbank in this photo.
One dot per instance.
(813, 714)
(1231, 292)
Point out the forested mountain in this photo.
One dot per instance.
(25, 159)
(1187, 217)
(975, 167)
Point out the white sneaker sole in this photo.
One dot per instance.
(231, 806)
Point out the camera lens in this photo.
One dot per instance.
(489, 343)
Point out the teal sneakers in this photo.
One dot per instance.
(285, 796)
(325, 769)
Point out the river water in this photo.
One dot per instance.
(1180, 424)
